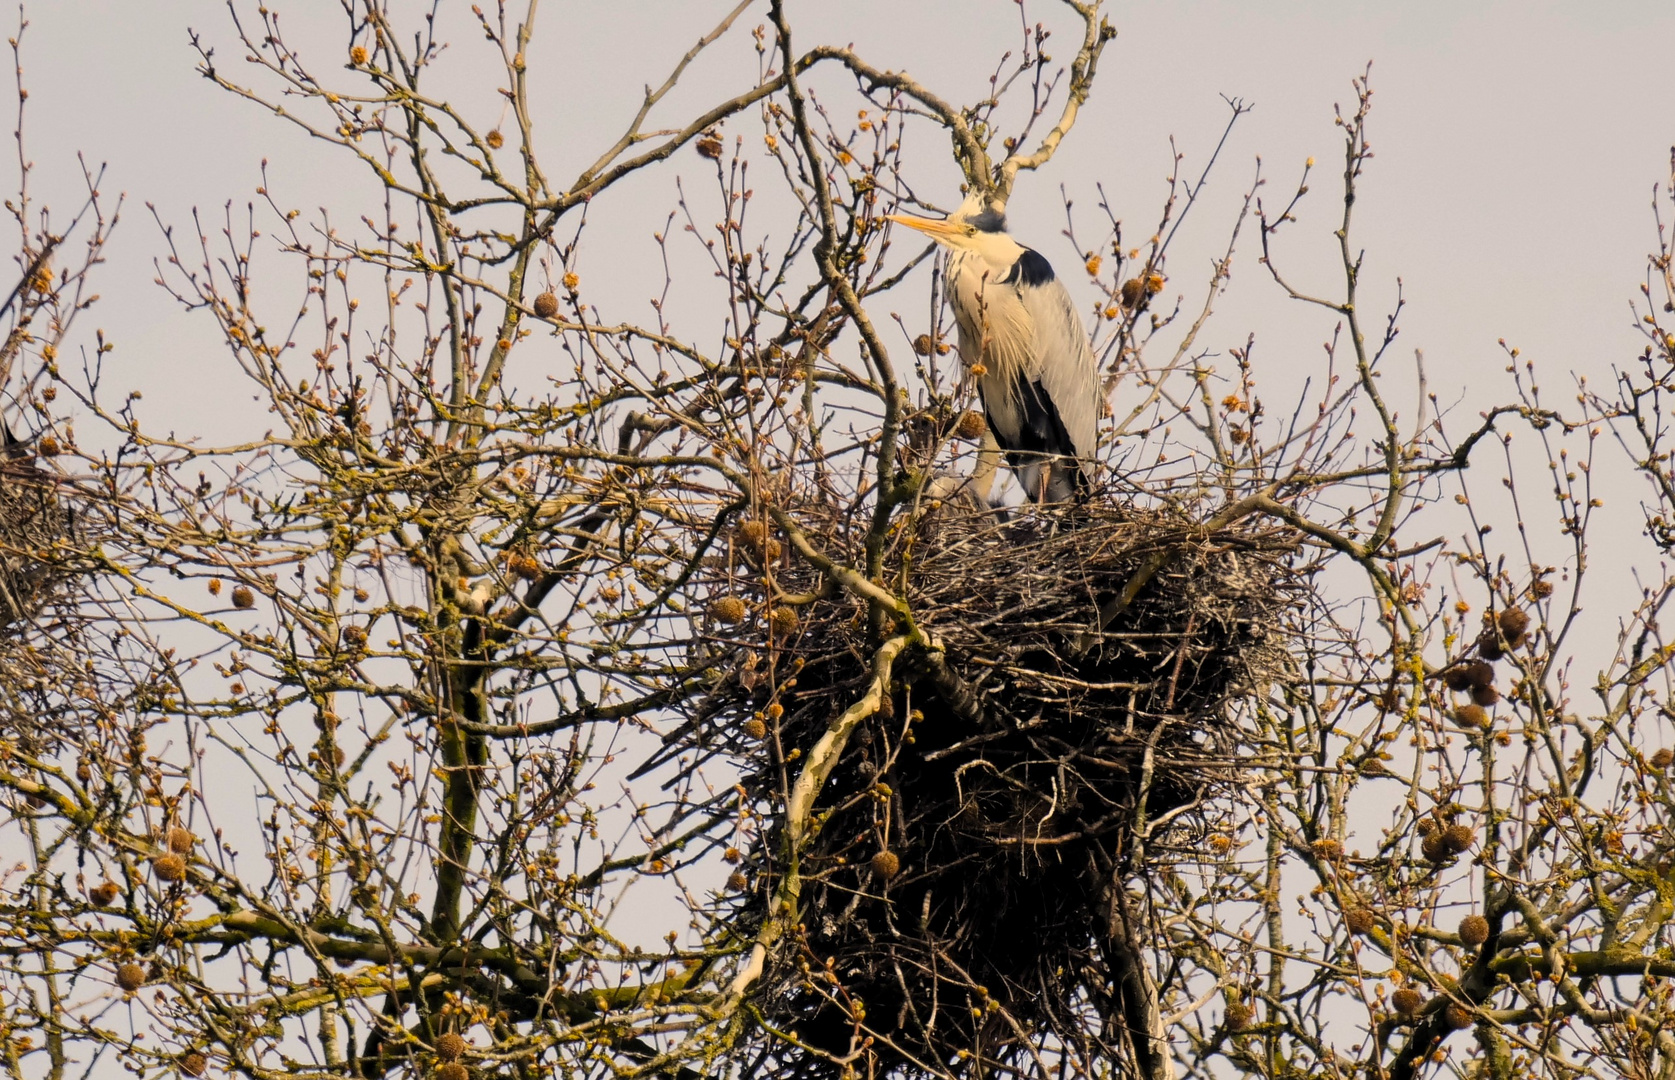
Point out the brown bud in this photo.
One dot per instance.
(215, 586)
(181, 840)
(1471, 717)
(886, 865)
(1237, 1016)
(525, 566)
(710, 146)
(756, 729)
(1360, 920)
(1474, 930)
(357, 55)
(449, 1046)
(728, 609)
(1661, 758)
(243, 597)
(130, 976)
(923, 345)
(452, 1070)
(1457, 1015)
(193, 1063)
(1485, 695)
(104, 894)
(1540, 590)
(1457, 838)
(546, 305)
(783, 620)
(1407, 1001)
(495, 139)
(170, 867)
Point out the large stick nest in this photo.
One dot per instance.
(1006, 782)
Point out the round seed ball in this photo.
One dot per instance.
(1435, 848)
(1458, 1016)
(452, 1070)
(1237, 1017)
(728, 609)
(546, 304)
(1662, 758)
(1360, 920)
(449, 1046)
(47, 446)
(886, 864)
(170, 867)
(737, 881)
(1426, 825)
(193, 1064)
(1485, 695)
(1471, 716)
(1407, 1001)
(783, 620)
(130, 976)
(710, 146)
(753, 534)
(923, 344)
(243, 597)
(1457, 678)
(1514, 622)
(1457, 838)
(181, 840)
(1327, 848)
(105, 894)
(1474, 930)
(1133, 290)
(1479, 673)
(972, 425)
(756, 729)
(1489, 645)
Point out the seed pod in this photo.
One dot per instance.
(886, 865)
(1407, 1001)
(1540, 590)
(525, 566)
(1457, 1015)
(1457, 838)
(1661, 758)
(756, 729)
(1485, 695)
(495, 139)
(1435, 848)
(130, 976)
(1514, 622)
(972, 425)
(1133, 293)
(1327, 849)
(1471, 717)
(243, 598)
(737, 881)
(452, 1070)
(728, 609)
(710, 146)
(923, 344)
(753, 535)
(104, 894)
(357, 55)
(1237, 1016)
(1489, 645)
(1474, 930)
(47, 446)
(1457, 678)
(1479, 673)
(449, 1046)
(1360, 920)
(1426, 825)
(170, 867)
(181, 840)
(546, 305)
(193, 1064)
(783, 620)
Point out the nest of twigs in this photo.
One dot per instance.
(963, 898)
(33, 518)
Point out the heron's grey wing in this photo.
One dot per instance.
(1064, 363)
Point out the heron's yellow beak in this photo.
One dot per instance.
(936, 228)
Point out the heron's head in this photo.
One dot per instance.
(979, 217)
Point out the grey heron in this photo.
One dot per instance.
(1019, 334)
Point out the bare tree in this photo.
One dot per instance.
(518, 658)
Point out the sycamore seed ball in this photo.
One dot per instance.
(1514, 622)
(886, 864)
(737, 881)
(546, 304)
(170, 867)
(923, 344)
(1662, 758)
(243, 597)
(130, 976)
(1237, 1017)
(784, 620)
(181, 840)
(1457, 838)
(728, 609)
(1474, 930)
(1458, 1016)
(105, 894)
(194, 1064)
(449, 1046)
(1471, 716)
(1485, 695)
(1407, 1001)
(1360, 920)
(756, 729)
(1435, 848)
(452, 1070)
(972, 425)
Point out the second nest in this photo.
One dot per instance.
(964, 895)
